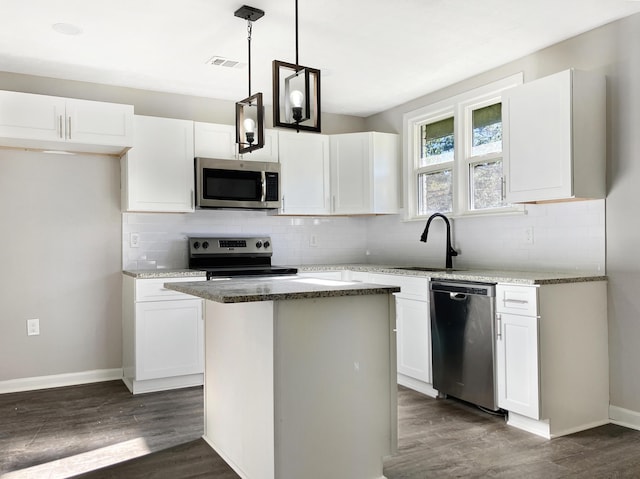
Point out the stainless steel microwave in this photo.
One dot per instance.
(237, 184)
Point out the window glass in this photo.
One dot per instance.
(486, 185)
(486, 136)
(435, 192)
(436, 142)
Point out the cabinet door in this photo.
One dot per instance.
(537, 139)
(169, 339)
(27, 116)
(517, 364)
(269, 152)
(350, 174)
(413, 338)
(212, 140)
(99, 123)
(159, 168)
(304, 163)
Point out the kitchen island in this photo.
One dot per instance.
(300, 375)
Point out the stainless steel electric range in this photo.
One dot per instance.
(234, 256)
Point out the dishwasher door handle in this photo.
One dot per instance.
(458, 296)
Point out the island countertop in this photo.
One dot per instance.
(275, 288)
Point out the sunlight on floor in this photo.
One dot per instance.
(85, 462)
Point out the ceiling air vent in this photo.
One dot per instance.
(225, 62)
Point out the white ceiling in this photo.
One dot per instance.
(373, 54)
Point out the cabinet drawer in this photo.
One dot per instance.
(154, 290)
(522, 300)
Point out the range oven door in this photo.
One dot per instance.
(237, 184)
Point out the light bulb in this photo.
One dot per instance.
(249, 125)
(296, 97)
(249, 130)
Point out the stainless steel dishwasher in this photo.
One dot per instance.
(463, 340)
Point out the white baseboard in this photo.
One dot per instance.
(417, 385)
(624, 417)
(59, 380)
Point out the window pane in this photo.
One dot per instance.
(435, 192)
(487, 130)
(486, 183)
(436, 142)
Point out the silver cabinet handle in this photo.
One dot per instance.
(61, 133)
(283, 203)
(69, 132)
(193, 199)
(517, 301)
(498, 326)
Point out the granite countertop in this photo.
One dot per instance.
(486, 276)
(164, 273)
(274, 288)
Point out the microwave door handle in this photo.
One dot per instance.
(264, 186)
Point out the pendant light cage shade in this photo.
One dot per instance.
(250, 111)
(296, 95)
(250, 124)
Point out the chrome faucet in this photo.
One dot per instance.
(450, 251)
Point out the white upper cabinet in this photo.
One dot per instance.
(48, 122)
(304, 166)
(269, 152)
(212, 140)
(364, 173)
(157, 173)
(554, 138)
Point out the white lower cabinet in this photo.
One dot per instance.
(413, 330)
(517, 364)
(552, 356)
(163, 336)
(413, 338)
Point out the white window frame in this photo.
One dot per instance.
(460, 107)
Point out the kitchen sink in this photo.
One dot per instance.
(426, 268)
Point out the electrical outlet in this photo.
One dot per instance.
(134, 240)
(33, 327)
(313, 241)
(528, 235)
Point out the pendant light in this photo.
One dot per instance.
(250, 111)
(296, 94)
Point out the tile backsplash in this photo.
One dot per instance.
(296, 240)
(552, 237)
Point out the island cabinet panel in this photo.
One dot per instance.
(302, 388)
(55, 123)
(157, 173)
(552, 356)
(163, 336)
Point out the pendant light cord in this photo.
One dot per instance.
(297, 63)
(249, 25)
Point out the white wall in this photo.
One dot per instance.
(569, 235)
(60, 257)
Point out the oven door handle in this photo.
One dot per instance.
(263, 180)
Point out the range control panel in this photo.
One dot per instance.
(230, 246)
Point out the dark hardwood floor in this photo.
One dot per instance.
(100, 431)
